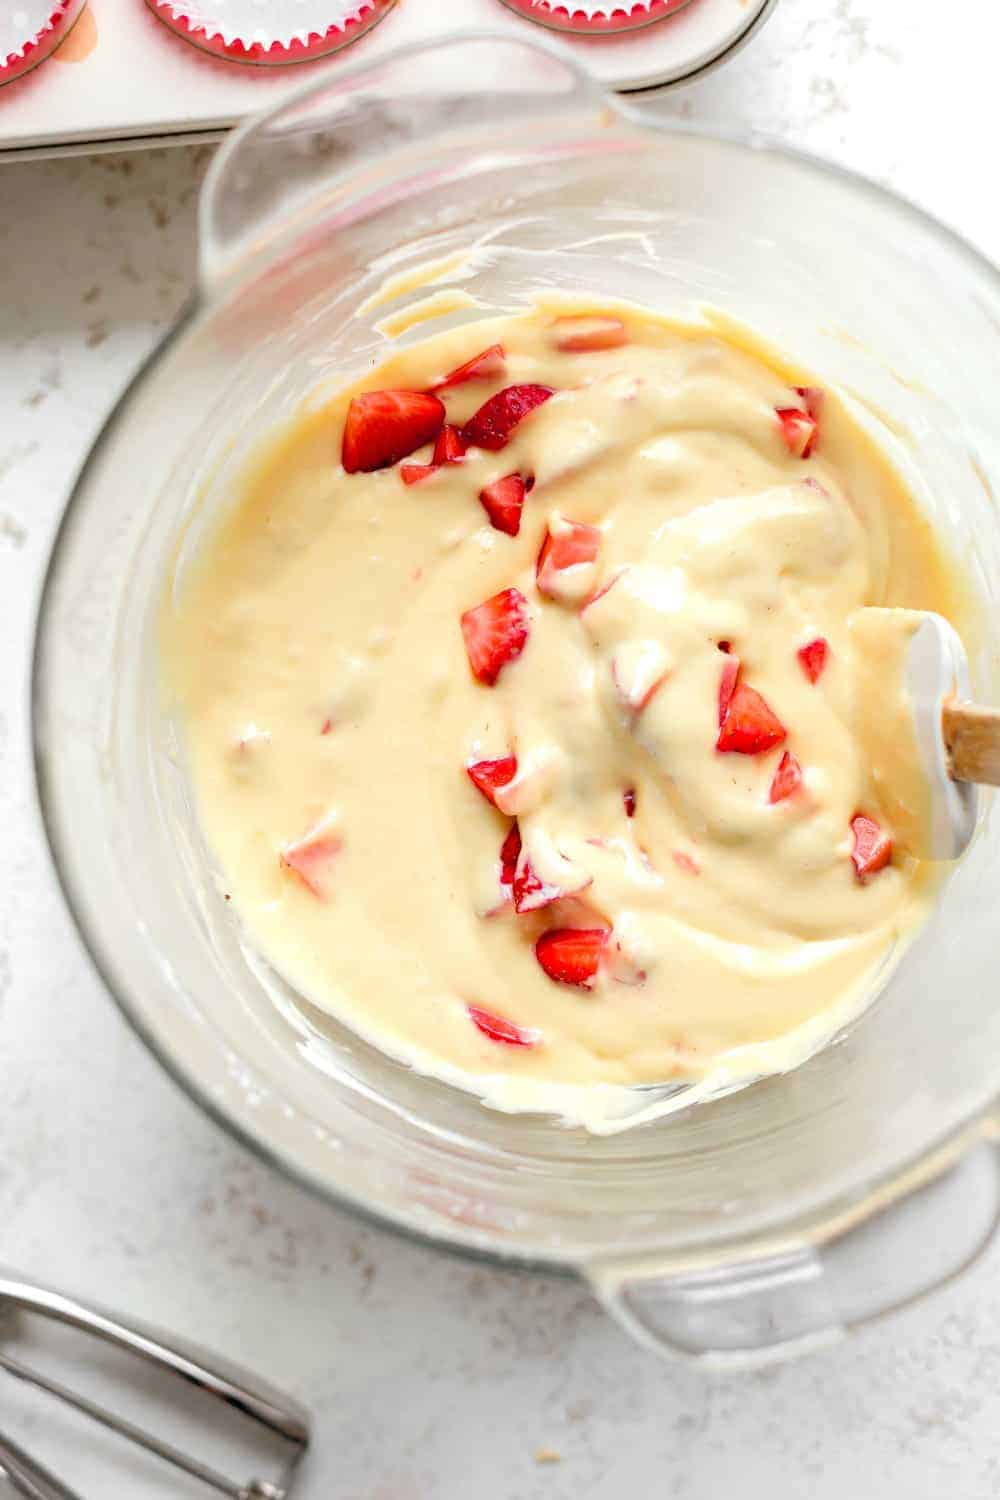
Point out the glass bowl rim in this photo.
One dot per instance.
(101, 953)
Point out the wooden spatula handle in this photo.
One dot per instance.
(972, 739)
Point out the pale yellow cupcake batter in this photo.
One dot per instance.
(316, 654)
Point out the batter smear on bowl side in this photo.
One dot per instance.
(523, 709)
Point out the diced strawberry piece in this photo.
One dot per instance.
(798, 429)
(384, 426)
(580, 333)
(310, 859)
(499, 1029)
(628, 797)
(727, 685)
(750, 727)
(812, 398)
(489, 364)
(510, 853)
(488, 775)
(552, 878)
(872, 847)
(491, 426)
(568, 547)
(685, 862)
(787, 778)
(449, 448)
(495, 633)
(571, 955)
(503, 501)
(530, 891)
(413, 473)
(813, 657)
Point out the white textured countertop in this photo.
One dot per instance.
(428, 1378)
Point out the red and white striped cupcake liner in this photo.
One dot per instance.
(248, 32)
(595, 17)
(30, 30)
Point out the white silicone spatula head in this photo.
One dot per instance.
(934, 672)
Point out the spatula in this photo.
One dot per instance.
(958, 741)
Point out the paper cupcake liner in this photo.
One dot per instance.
(271, 34)
(30, 30)
(595, 17)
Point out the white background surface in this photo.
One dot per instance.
(428, 1378)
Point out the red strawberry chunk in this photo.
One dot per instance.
(503, 501)
(491, 426)
(495, 633)
(872, 847)
(499, 1029)
(449, 448)
(310, 858)
(685, 861)
(572, 955)
(568, 547)
(727, 684)
(488, 775)
(580, 333)
(510, 853)
(628, 797)
(489, 364)
(750, 726)
(413, 473)
(798, 429)
(813, 657)
(787, 778)
(384, 426)
(530, 891)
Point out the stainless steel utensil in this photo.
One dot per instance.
(237, 1389)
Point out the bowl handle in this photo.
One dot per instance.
(379, 132)
(797, 1295)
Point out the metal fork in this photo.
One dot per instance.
(236, 1388)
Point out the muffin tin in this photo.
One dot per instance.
(143, 81)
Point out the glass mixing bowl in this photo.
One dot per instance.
(744, 1227)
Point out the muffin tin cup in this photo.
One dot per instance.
(233, 29)
(29, 34)
(594, 18)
